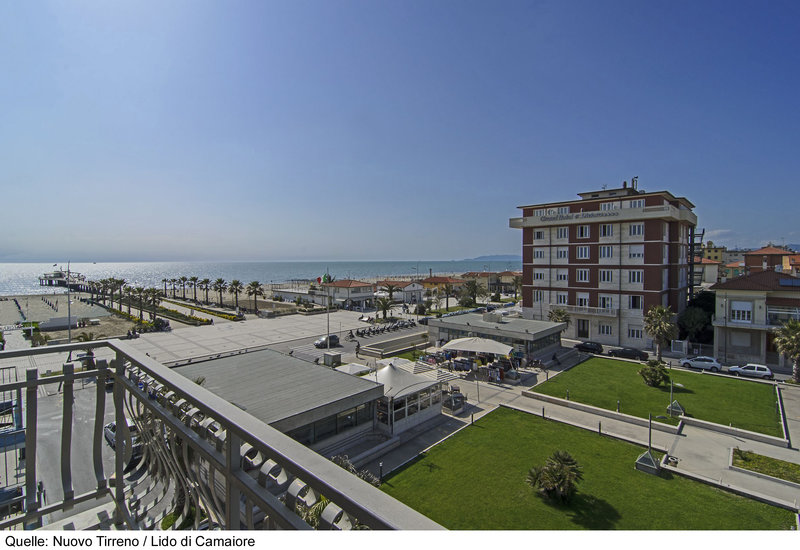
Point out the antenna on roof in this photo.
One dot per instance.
(604, 187)
(635, 182)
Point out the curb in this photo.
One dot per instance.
(753, 473)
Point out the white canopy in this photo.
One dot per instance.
(480, 345)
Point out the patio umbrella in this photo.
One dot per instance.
(479, 345)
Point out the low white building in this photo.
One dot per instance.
(408, 292)
(408, 401)
(350, 294)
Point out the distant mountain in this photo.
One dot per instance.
(496, 258)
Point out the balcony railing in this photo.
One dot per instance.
(202, 458)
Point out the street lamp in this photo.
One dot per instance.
(646, 462)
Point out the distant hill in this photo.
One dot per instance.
(795, 247)
(496, 258)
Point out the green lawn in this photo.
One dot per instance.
(729, 401)
(767, 465)
(476, 480)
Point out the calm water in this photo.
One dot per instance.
(23, 278)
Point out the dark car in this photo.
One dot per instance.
(629, 353)
(589, 347)
(323, 342)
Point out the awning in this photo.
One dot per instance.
(479, 345)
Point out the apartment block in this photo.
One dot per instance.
(606, 259)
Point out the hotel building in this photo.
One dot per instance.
(606, 259)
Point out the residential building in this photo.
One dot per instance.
(606, 259)
(487, 279)
(768, 257)
(731, 270)
(711, 252)
(707, 272)
(791, 264)
(734, 255)
(506, 281)
(748, 309)
(438, 283)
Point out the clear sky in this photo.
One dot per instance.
(325, 130)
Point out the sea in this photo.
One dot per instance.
(23, 278)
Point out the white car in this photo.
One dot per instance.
(753, 370)
(701, 362)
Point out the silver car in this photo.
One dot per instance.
(752, 370)
(701, 362)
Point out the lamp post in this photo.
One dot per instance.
(69, 311)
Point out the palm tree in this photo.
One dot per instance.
(448, 290)
(219, 286)
(205, 284)
(384, 305)
(659, 324)
(474, 290)
(153, 298)
(183, 280)
(391, 289)
(787, 341)
(559, 315)
(193, 283)
(517, 282)
(165, 281)
(255, 290)
(558, 478)
(174, 283)
(235, 288)
(140, 290)
(129, 292)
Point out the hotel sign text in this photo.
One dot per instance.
(580, 216)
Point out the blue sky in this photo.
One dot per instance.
(325, 130)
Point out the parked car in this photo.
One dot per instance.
(110, 433)
(629, 353)
(589, 347)
(323, 342)
(701, 362)
(753, 370)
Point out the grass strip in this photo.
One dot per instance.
(774, 467)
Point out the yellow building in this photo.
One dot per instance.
(715, 253)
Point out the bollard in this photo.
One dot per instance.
(473, 419)
(567, 395)
(617, 405)
(542, 413)
(600, 428)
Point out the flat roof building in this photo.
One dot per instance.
(313, 404)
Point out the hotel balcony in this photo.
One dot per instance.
(193, 456)
(663, 212)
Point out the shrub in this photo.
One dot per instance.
(558, 478)
(496, 297)
(466, 301)
(654, 373)
(420, 310)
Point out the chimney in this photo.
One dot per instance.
(624, 184)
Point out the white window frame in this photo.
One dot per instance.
(605, 302)
(605, 330)
(562, 298)
(582, 299)
(563, 209)
(606, 275)
(636, 203)
(606, 251)
(562, 275)
(741, 312)
(635, 298)
(582, 275)
(562, 253)
(562, 232)
(538, 295)
(635, 332)
(636, 251)
(584, 232)
(636, 230)
(538, 275)
(606, 229)
(583, 252)
(538, 253)
(635, 276)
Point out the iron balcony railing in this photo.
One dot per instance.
(192, 455)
